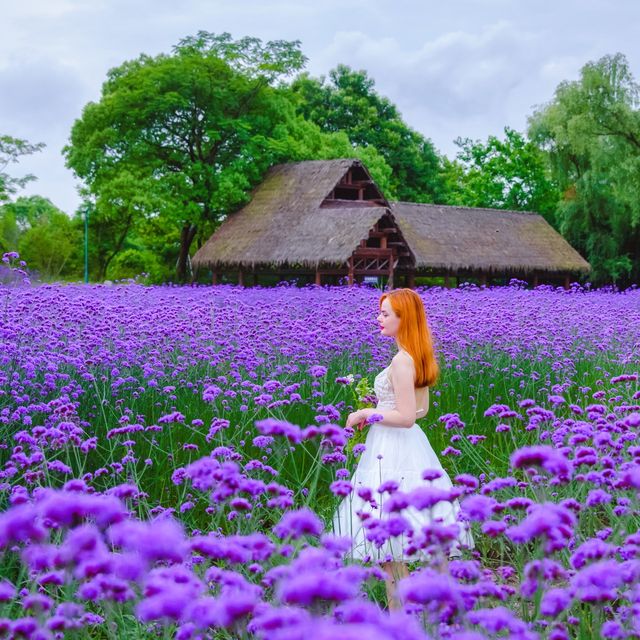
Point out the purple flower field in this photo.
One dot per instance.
(171, 458)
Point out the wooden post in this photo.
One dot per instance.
(350, 276)
(411, 280)
(318, 277)
(483, 278)
(383, 242)
(567, 282)
(240, 278)
(214, 278)
(534, 284)
(447, 281)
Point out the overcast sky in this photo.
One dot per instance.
(453, 67)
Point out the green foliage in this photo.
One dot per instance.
(131, 263)
(178, 141)
(43, 235)
(362, 394)
(591, 133)
(10, 151)
(270, 61)
(501, 174)
(9, 231)
(348, 102)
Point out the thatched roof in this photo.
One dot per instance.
(492, 240)
(284, 224)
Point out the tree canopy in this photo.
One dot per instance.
(501, 174)
(184, 137)
(177, 141)
(590, 132)
(45, 236)
(10, 151)
(348, 102)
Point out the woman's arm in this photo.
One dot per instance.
(404, 415)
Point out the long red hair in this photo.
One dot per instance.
(414, 335)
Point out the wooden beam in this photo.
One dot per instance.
(387, 231)
(373, 251)
(356, 184)
(214, 278)
(340, 203)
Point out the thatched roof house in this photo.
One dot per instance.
(328, 217)
(452, 238)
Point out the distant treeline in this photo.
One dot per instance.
(178, 140)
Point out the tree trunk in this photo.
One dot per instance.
(118, 247)
(186, 238)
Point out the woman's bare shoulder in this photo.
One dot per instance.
(405, 361)
(406, 358)
(402, 356)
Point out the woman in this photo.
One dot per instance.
(396, 448)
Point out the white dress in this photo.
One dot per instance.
(406, 453)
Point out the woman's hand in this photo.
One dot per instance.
(357, 418)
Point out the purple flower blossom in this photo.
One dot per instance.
(544, 456)
(497, 619)
(295, 524)
(271, 426)
(554, 602)
(303, 588)
(478, 507)
(160, 539)
(598, 582)
(7, 591)
(550, 521)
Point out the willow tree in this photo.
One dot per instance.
(591, 133)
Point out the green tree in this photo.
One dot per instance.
(9, 231)
(348, 102)
(109, 225)
(502, 174)
(45, 236)
(177, 141)
(590, 131)
(185, 136)
(10, 151)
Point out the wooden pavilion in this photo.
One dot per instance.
(327, 219)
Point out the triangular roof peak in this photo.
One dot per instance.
(356, 187)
